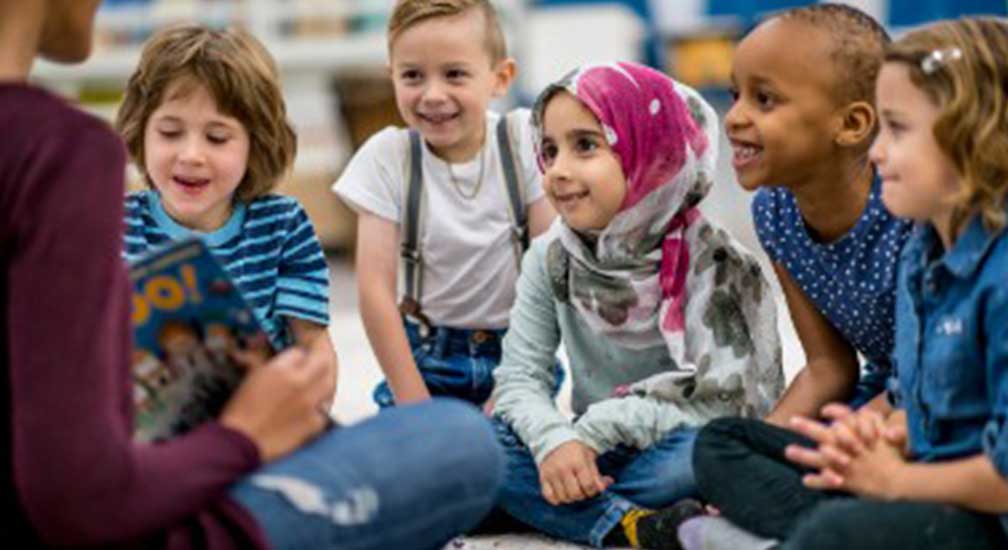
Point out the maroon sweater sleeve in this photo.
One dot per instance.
(79, 477)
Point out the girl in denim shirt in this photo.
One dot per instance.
(929, 472)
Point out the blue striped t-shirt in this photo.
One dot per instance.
(268, 247)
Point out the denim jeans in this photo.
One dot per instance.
(398, 480)
(653, 478)
(741, 469)
(453, 362)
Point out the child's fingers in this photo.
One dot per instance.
(547, 492)
(836, 411)
(572, 488)
(868, 427)
(812, 429)
(897, 435)
(826, 480)
(597, 479)
(836, 458)
(552, 490)
(847, 439)
(589, 482)
(558, 487)
(810, 458)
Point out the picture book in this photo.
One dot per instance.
(188, 317)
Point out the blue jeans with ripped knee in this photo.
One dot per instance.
(653, 478)
(412, 477)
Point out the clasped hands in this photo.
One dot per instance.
(860, 452)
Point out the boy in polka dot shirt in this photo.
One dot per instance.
(800, 131)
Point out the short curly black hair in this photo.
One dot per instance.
(859, 43)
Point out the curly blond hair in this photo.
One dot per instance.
(971, 90)
(238, 73)
(407, 13)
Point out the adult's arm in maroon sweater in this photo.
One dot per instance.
(79, 477)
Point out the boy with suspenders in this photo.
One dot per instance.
(456, 197)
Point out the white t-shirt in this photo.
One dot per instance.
(469, 267)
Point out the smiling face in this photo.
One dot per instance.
(444, 79)
(785, 115)
(582, 176)
(918, 179)
(195, 156)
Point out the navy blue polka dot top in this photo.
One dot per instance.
(852, 280)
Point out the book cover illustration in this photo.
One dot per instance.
(187, 319)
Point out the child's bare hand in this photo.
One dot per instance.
(279, 405)
(849, 433)
(851, 429)
(896, 431)
(867, 470)
(846, 436)
(569, 474)
(873, 473)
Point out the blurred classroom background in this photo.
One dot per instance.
(332, 56)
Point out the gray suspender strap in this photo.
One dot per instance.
(412, 259)
(515, 191)
(410, 249)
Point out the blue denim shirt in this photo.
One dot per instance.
(951, 351)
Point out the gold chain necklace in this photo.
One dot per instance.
(479, 178)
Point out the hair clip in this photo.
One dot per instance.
(938, 58)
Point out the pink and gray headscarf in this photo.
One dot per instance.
(659, 272)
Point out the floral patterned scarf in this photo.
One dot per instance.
(659, 272)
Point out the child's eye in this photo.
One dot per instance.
(410, 75)
(217, 140)
(548, 152)
(734, 93)
(170, 134)
(765, 100)
(585, 145)
(456, 74)
(895, 128)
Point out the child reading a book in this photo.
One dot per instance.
(667, 321)
(455, 197)
(204, 120)
(800, 128)
(71, 473)
(943, 106)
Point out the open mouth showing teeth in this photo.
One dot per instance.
(438, 118)
(571, 197)
(190, 182)
(744, 153)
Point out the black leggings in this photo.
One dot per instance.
(740, 468)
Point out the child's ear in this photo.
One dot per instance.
(857, 124)
(504, 72)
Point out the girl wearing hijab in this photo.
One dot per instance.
(668, 322)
